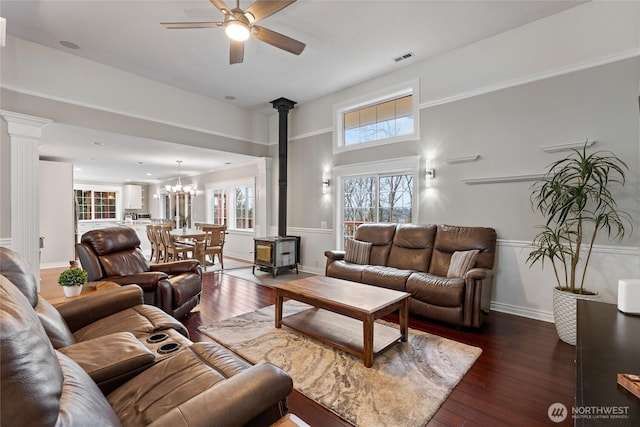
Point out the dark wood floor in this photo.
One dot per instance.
(523, 368)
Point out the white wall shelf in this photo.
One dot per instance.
(567, 146)
(503, 179)
(465, 159)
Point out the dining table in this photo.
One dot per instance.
(198, 236)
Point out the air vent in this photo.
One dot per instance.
(403, 57)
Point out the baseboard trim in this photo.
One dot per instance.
(544, 316)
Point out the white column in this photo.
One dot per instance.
(24, 134)
(263, 198)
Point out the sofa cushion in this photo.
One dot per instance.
(436, 290)
(412, 247)
(357, 251)
(149, 395)
(381, 238)
(346, 271)
(461, 262)
(139, 320)
(450, 239)
(386, 277)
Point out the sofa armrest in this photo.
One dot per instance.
(332, 256)
(147, 280)
(475, 282)
(81, 312)
(233, 402)
(178, 267)
(111, 360)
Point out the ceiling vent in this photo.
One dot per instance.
(403, 57)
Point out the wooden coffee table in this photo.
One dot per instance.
(344, 313)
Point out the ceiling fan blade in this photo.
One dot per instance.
(236, 52)
(219, 4)
(278, 40)
(182, 25)
(261, 9)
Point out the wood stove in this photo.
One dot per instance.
(281, 252)
(276, 253)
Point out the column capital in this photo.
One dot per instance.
(24, 125)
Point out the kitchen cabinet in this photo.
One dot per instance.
(132, 196)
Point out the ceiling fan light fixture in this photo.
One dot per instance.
(238, 31)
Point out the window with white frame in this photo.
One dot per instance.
(96, 203)
(232, 204)
(385, 117)
(376, 198)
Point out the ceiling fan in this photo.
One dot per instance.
(240, 25)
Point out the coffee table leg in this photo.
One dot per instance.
(404, 320)
(279, 301)
(368, 342)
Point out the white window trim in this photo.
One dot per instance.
(115, 189)
(401, 165)
(231, 216)
(408, 88)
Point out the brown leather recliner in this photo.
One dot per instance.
(202, 385)
(114, 254)
(111, 311)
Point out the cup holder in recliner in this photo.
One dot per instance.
(169, 348)
(156, 338)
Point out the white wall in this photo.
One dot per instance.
(56, 214)
(562, 79)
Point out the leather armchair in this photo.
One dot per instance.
(114, 254)
(95, 316)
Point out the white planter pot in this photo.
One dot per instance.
(72, 291)
(564, 313)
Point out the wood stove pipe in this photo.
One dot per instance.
(283, 106)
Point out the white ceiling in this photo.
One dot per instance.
(348, 42)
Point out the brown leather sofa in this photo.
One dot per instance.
(415, 258)
(116, 378)
(114, 254)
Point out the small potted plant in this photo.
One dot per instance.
(72, 281)
(576, 199)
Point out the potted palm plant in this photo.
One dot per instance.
(574, 196)
(72, 281)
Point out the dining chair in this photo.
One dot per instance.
(173, 250)
(152, 240)
(161, 250)
(214, 242)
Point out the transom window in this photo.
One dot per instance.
(384, 117)
(379, 121)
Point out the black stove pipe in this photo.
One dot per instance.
(283, 106)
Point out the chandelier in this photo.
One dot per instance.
(179, 188)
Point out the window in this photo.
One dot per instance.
(231, 205)
(377, 198)
(218, 208)
(94, 204)
(385, 117)
(380, 121)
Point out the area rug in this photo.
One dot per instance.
(405, 387)
(265, 278)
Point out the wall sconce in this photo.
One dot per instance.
(430, 173)
(326, 182)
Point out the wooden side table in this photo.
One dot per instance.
(56, 295)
